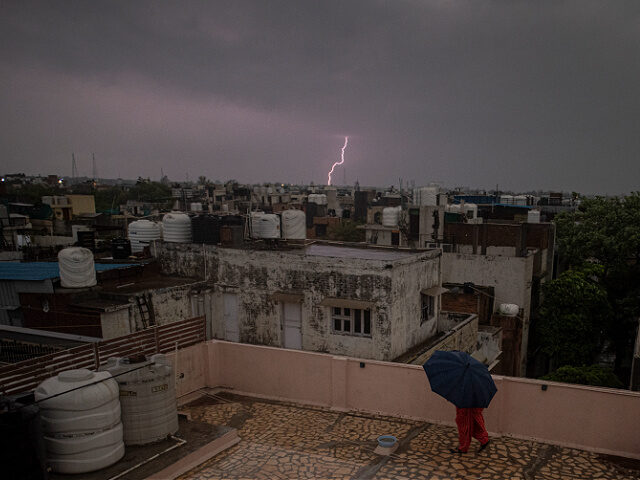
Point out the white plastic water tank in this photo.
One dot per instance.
(508, 309)
(266, 225)
(520, 200)
(142, 233)
(195, 207)
(470, 210)
(533, 216)
(317, 198)
(426, 196)
(453, 208)
(176, 228)
(77, 269)
(506, 199)
(294, 224)
(390, 216)
(147, 398)
(82, 429)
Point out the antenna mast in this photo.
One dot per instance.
(74, 167)
(95, 170)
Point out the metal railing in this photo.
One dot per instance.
(27, 375)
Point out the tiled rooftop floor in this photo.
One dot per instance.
(284, 441)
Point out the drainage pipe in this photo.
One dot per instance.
(179, 444)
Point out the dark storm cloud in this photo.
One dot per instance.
(524, 94)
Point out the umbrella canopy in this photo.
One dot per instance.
(460, 379)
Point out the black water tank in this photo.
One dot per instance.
(120, 248)
(87, 239)
(311, 211)
(228, 220)
(206, 229)
(22, 451)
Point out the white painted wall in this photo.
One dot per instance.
(256, 275)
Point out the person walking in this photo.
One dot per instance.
(465, 382)
(470, 424)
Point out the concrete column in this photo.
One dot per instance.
(339, 383)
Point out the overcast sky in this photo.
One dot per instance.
(528, 95)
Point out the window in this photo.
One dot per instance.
(428, 307)
(351, 321)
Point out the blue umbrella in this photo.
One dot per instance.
(460, 379)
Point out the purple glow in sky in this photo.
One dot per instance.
(524, 94)
(346, 141)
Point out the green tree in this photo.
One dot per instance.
(572, 317)
(32, 193)
(592, 375)
(153, 192)
(606, 231)
(109, 199)
(346, 231)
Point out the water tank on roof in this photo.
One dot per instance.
(533, 216)
(453, 208)
(120, 248)
(508, 309)
(317, 198)
(520, 200)
(195, 207)
(265, 225)
(82, 428)
(231, 220)
(142, 233)
(147, 398)
(470, 210)
(176, 228)
(506, 199)
(77, 269)
(206, 229)
(294, 224)
(390, 216)
(426, 196)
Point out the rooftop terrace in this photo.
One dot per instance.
(288, 441)
(300, 414)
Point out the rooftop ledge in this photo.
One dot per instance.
(592, 419)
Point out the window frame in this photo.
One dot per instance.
(430, 307)
(351, 315)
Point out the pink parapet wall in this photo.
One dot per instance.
(596, 419)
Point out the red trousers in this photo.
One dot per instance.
(470, 425)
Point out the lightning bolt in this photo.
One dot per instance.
(346, 142)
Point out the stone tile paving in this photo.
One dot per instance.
(286, 441)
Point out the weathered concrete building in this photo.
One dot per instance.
(513, 259)
(365, 302)
(417, 226)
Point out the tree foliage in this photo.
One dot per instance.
(572, 317)
(346, 231)
(148, 192)
(33, 193)
(588, 375)
(606, 231)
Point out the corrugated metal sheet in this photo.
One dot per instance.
(42, 270)
(8, 294)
